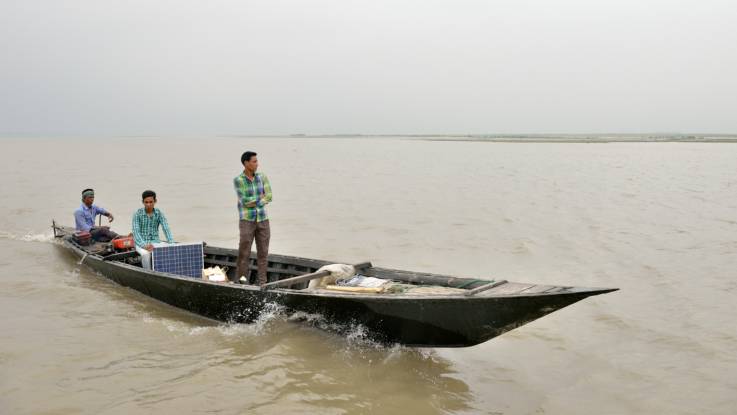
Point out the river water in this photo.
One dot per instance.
(657, 220)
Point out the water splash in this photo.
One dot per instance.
(270, 314)
(74, 272)
(43, 237)
(356, 335)
(28, 237)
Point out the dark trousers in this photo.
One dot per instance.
(102, 234)
(250, 231)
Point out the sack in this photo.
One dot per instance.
(82, 238)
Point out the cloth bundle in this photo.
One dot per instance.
(337, 271)
(363, 281)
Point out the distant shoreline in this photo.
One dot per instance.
(537, 138)
(481, 138)
(593, 140)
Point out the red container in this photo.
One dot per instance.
(83, 238)
(124, 243)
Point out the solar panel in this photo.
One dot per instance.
(179, 259)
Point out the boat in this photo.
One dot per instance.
(459, 312)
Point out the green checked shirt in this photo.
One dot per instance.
(257, 190)
(146, 228)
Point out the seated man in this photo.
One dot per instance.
(84, 218)
(146, 222)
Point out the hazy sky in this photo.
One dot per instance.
(339, 66)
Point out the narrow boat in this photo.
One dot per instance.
(437, 310)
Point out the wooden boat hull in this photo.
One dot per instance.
(426, 321)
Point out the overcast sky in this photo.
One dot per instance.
(149, 67)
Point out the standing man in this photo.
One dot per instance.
(84, 218)
(146, 222)
(254, 192)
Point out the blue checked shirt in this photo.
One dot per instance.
(146, 228)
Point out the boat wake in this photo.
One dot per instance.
(275, 320)
(28, 237)
(273, 315)
(355, 334)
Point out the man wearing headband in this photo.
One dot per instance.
(85, 215)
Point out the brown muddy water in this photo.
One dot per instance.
(657, 220)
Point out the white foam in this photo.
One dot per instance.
(41, 237)
(28, 237)
(74, 272)
(355, 334)
(357, 337)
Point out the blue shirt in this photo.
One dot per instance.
(84, 217)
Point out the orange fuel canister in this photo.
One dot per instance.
(123, 243)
